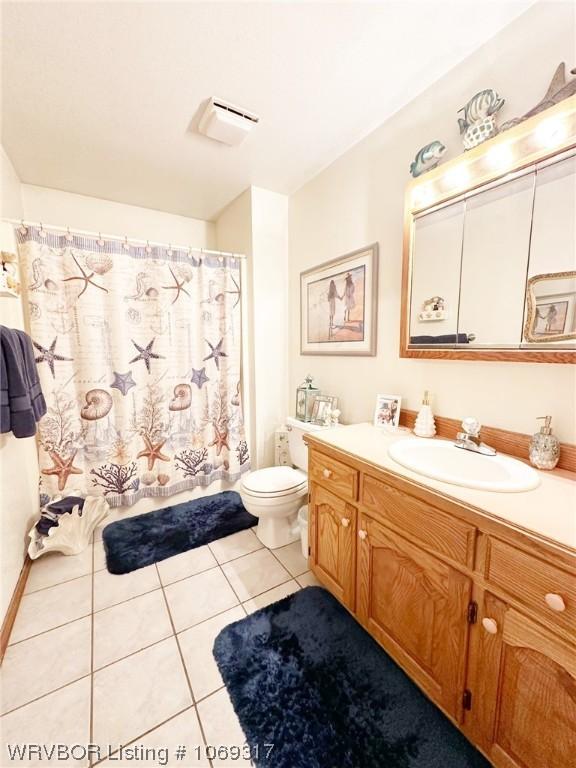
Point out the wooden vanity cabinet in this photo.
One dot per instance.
(332, 534)
(478, 615)
(525, 683)
(412, 601)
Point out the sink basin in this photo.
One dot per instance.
(441, 460)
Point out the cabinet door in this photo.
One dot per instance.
(526, 693)
(416, 607)
(333, 544)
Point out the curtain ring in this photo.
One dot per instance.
(125, 243)
(169, 251)
(100, 242)
(23, 229)
(42, 231)
(148, 249)
(69, 237)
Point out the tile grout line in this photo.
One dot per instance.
(44, 695)
(175, 635)
(146, 733)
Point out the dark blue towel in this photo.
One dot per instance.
(22, 403)
(447, 338)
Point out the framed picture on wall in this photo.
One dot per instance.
(338, 305)
(387, 412)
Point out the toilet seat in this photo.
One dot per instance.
(274, 482)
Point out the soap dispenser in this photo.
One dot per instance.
(544, 446)
(425, 426)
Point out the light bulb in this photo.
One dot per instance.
(501, 156)
(457, 177)
(422, 195)
(551, 132)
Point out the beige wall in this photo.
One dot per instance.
(256, 224)
(359, 200)
(18, 458)
(65, 209)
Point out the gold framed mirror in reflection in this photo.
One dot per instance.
(489, 252)
(551, 308)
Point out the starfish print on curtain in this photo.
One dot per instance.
(123, 382)
(152, 452)
(146, 354)
(178, 287)
(49, 355)
(135, 406)
(216, 352)
(62, 468)
(199, 377)
(87, 278)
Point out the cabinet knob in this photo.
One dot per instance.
(555, 602)
(327, 473)
(363, 534)
(345, 522)
(490, 626)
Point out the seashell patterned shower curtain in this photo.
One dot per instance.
(138, 350)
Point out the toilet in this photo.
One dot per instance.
(275, 494)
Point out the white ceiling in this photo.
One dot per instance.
(98, 98)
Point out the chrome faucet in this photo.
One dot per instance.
(469, 439)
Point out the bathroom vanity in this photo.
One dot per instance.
(473, 593)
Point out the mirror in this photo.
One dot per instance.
(490, 267)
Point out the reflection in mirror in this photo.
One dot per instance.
(551, 313)
(495, 262)
(551, 290)
(437, 249)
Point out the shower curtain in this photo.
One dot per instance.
(138, 350)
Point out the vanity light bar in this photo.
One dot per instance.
(529, 142)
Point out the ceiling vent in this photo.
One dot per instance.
(224, 122)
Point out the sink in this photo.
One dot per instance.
(441, 460)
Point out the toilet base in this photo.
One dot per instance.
(276, 532)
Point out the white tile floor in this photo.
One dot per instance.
(127, 660)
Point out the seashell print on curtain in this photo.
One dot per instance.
(138, 352)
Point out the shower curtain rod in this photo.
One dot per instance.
(125, 239)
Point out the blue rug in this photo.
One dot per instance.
(305, 677)
(145, 539)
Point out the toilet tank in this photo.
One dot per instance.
(297, 446)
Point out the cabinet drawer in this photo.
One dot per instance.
(530, 580)
(336, 476)
(442, 533)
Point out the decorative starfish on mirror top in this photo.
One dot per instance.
(216, 352)
(49, 355)
(178, 287)
(63, 468)
(146, 354)
(199, 377)
(86, 277)
(152, 452)
(123, 381)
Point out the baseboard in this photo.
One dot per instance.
(10, 617)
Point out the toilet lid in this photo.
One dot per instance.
(274, 480)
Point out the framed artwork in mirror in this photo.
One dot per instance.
(338, 305)
(551, 308)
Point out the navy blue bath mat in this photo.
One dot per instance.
(305, 677)
(145, 539)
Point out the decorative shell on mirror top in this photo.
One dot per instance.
(73, 532)
(427, 158)
(479, 121)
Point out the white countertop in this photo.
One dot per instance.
(548, 511)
